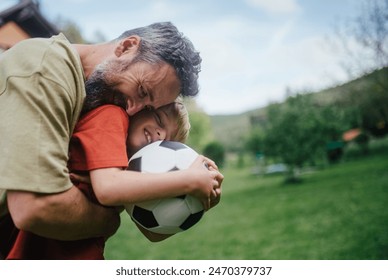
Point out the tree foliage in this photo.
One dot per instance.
(71, 30)
(215, 150)
(364, 38)
(299, 130)
(367, 101)
(254, 141)
(200, 132)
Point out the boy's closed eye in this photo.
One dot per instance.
(158, 119)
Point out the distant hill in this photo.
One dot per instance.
(231, 130)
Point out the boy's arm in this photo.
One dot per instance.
(152, 236)
(114, 186)
(67, 215)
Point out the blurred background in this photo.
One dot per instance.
(293, 108)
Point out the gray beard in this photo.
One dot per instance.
(99, 92)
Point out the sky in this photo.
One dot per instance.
(252, 50)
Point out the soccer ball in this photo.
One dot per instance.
(169, 215)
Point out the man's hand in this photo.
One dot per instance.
(67, 215)
(78, 178)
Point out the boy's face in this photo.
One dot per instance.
(149, 126)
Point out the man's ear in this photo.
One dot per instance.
(128, 45)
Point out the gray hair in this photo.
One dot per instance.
(163, 42)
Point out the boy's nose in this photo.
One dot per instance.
(161, 134)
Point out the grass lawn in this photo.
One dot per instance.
(340, 212)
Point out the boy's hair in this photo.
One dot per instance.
(177, 110)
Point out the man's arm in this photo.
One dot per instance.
(67, 215)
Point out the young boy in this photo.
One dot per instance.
(115, 187)
(100, 145)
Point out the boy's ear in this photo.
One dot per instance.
(128, 45)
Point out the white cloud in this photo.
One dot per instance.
(276, 6)
(78, 2)
(237, 77)
(279, 35)
(160, 7)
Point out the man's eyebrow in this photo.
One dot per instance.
(149, 91)
(151, 95)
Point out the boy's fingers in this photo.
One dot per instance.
(210, 163)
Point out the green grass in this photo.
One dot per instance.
(340, 212)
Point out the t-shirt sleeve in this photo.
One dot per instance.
(41, 95)
(101, 138)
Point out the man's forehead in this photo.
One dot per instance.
(158, 72)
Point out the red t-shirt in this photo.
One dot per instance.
(99, 141)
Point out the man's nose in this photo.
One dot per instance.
(134, 109)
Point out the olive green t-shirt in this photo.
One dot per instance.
(41, 95)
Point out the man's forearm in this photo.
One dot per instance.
(64, 216)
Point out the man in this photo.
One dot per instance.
(42, 94)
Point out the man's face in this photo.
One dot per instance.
(145, 84)
(149, 126)
(133, 85)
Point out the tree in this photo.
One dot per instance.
(366, 102)
(200, 132)
(374, 111)
(74, 34)
(298, 132)
(364, 38)
(216, 152)
(71, 30)
(254, 142)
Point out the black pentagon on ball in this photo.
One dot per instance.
(191, 220)
(146, 217)
(174, 169)
(135, 164)
(173, 145)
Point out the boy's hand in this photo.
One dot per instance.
(216, 197)
(207, 187)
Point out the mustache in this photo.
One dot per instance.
(99, 92)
